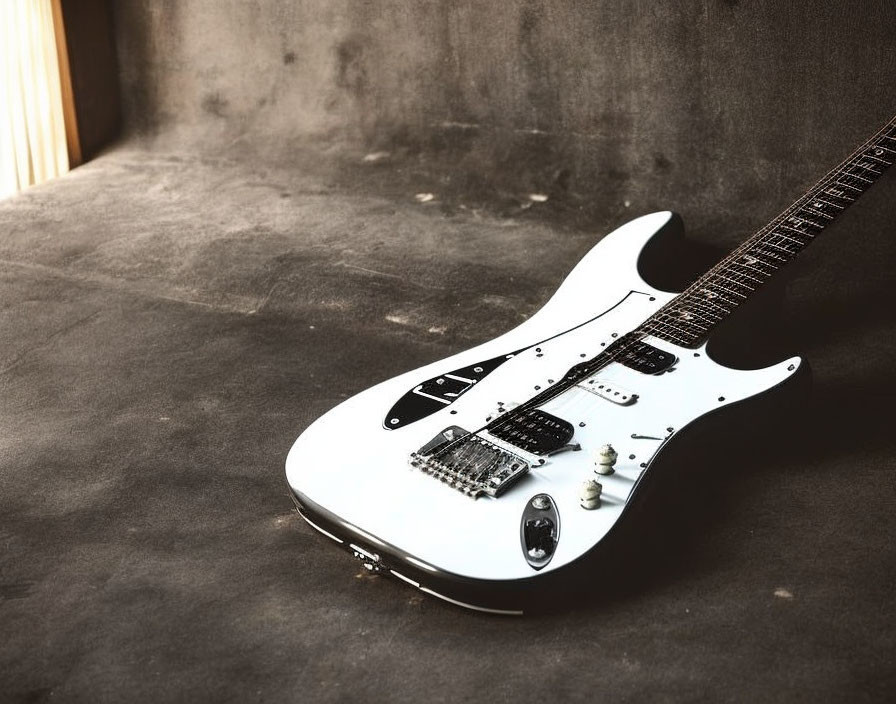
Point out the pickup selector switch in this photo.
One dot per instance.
(606, 458)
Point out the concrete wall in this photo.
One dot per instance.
(728, 108)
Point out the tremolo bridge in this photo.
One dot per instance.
(476, 465)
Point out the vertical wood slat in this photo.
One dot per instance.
(70, 114)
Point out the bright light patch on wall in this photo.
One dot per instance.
(32, 128)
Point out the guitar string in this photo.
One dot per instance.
(761, 236)
(660, 321)
(602, 359)
(768, 235)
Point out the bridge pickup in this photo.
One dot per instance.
(646, 359)
(609, 391)
(533, 430)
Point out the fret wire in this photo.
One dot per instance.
(793, 229)
(759, 271)
(675, 334)
(768, 254)
(741, 273)
(690, 307)
(805, 221)
(789, 245)
(860, 178)
(840, 194)
(815, 210)
(730, 301)
(734, 293)
(710, 312)
(833, 205)
(689, 320)
(772, 244)
(860, 162)
(721, 274)
(877, 158)
(788, 237)
(763, 253)
(860, 165)
(846, 185)
(710, 298)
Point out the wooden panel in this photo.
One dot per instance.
(89, 73)
(65, 79)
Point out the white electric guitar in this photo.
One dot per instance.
(501, 476)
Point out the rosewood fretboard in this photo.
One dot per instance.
(688, 318)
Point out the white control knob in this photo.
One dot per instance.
(589, 496)
(606, 458)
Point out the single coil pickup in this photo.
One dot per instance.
(609, 391)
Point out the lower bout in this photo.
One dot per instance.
(654, 530)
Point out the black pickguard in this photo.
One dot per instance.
(438, 392)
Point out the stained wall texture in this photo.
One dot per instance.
(177, 310)
(722, 104)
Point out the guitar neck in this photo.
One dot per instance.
(688, 319)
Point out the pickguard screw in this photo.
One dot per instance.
(791, 368)
(394, 421)
(581, 424)
(478, 370)
(631, 457)
(537, 388)
(721, 398)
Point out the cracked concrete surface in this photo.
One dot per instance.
(169, 326)
(174, 313)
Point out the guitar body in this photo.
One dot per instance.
(352, 476)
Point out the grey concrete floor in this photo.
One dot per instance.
(169, 325)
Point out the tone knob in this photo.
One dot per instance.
(589, 496)
(606, 458)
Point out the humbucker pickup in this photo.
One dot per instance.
(646, 359)
(533, 430)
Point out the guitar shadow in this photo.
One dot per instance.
(693, 517)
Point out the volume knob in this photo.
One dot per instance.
(589, 496)
(606, 458)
